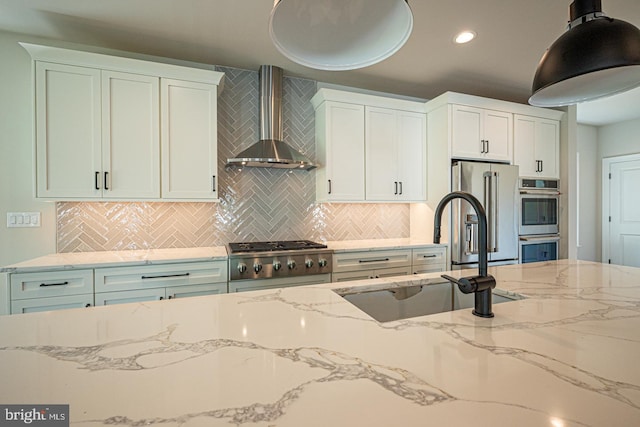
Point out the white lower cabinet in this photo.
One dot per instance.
(371, 274)
(363, 265)
(53, 290)
(51, 303)
(429, 260)
(118, 285)
(258, 285)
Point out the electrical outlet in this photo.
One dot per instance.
(23, 219)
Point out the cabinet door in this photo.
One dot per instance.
(189, 140)
(524, 145)
(124, 297)
(52, 303)
(382, 182)
(466, 132)
(392, 272)
(548, 148)
(412, 156)
(130, 136)
(341, 138)
(196, 290)
(349, 276)
(537, 147)
(68, 131)
(498, 131)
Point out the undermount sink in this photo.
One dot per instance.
(388, 304)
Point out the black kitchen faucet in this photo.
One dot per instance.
(481, 284)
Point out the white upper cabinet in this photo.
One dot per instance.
(99, 127)
(68, 131)
(340, 151)
(189, 140)
(482, 134)
(369, 148)
(537, 146)
(395, 155)
(130, 136)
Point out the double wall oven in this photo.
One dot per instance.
(538, 226)
(265, 265)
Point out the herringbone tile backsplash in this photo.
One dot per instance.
(255, 204)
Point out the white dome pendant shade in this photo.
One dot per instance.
(597, 57)
(339, 34)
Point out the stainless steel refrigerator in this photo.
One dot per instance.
(495, 186)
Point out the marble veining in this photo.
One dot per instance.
(303, 356)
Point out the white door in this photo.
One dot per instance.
(189, 140)
(548, 148)
(466, 138)
(345, 152)
(624, 211)
(412, 156)
(68, 131)
(498, 131)
(131, 136)
(382, 182)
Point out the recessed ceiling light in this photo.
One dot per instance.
(464, 37)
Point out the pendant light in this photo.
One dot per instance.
(339, 34)
(597, 57)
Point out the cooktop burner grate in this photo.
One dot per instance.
(281, 245)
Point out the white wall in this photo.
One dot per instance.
(16, 158)
(588, 209)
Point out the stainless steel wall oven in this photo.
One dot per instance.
(539, 207)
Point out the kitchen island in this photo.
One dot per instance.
(566, 355)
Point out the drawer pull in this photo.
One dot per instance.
(429, 256)
(373, 260)
(165, 276)
(44, 285)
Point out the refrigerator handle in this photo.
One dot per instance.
(491, 205)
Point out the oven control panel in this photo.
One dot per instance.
(280, 264)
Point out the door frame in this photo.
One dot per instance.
(606, 199)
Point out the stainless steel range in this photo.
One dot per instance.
(262, 265)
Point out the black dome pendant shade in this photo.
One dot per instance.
(597, 57)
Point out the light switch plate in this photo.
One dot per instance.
(23, 219)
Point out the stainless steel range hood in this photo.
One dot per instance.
(270, 151)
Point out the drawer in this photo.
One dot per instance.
(370, 260)
(160, 276)
(51, 284)
(431, 256)
(53, 303)
(256, 285)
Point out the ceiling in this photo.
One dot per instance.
(500, 63)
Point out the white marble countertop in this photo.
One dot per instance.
(303, 356)
(378, 244)
(74, 260)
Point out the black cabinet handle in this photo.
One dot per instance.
(165, 276)
(213, 183)
(106, 175)
(429, 256)
(44, 285)
(329, 186)
(96, 180)
(541, 166)
(400, 187)
(396, 187)
(487, 141)
(362, 261)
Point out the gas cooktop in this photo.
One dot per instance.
(281, 245)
